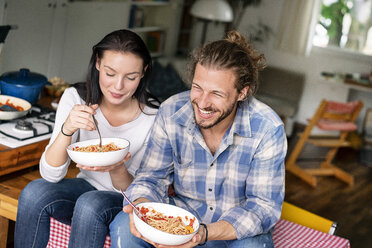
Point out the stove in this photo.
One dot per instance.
(36, 126)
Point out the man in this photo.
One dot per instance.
(221, 149)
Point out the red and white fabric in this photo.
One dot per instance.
(60, 233)
(332, 125)
(286, 234)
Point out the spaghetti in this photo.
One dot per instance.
(19, 108)
(95, 148)
(169, 224)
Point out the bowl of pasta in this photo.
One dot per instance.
(166, 224)
(89, 153)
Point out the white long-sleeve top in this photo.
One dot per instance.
(136, 131)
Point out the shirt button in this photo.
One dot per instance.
(212, 164)
(210, 190)
(211, 208)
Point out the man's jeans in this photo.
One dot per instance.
(122, 237)
(70, 201)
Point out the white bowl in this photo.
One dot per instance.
(158, 236)
(10, 115)
(99, 158)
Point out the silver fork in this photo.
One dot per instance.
(100, 138)
(142, 217)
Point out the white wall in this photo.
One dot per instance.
(2, 4)
(319, 60)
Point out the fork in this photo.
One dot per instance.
(100, 138)
(142, 217)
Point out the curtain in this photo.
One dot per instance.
(297, 26)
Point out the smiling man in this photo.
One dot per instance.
(221, 149)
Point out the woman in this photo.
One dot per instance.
(115, 93)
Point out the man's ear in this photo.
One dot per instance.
(243, 93)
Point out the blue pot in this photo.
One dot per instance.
(23, 84)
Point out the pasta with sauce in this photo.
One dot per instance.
(19, 108)
(169, 224)
(95, 148)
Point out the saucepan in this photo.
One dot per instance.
(13, 107)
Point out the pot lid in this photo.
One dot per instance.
(24, 77)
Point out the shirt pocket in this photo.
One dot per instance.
(184, 175)
(182, 161)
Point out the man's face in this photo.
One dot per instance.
(214, 96)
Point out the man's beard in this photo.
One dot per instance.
(223, 115)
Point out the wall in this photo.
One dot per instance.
(57, 41)
(269, 12)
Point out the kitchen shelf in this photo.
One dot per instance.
(146, 18)
(150, 3)
(147, 29)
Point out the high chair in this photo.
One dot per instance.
(330, 116)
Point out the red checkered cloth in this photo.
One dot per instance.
(288, 234)
(60, 233)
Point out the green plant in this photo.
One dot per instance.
(331, 19)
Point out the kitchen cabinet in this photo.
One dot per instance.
(37, 43)
(87, 22)
(55, 37)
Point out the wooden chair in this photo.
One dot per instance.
(330, 116)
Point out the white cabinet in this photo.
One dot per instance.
(87, 23)
(55, 37)
(37, 43)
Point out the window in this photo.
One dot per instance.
(346, 24)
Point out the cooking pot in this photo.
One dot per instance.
(23, 84)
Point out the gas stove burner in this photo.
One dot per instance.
(24, 125)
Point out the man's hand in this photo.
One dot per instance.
(129, 210)
(197, 239)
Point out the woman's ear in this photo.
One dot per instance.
(144, 70)
(98, 62)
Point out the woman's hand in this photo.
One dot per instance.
(80, 117)
(108, 168)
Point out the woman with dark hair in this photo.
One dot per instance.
(116, 93)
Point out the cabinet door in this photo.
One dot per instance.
(29, 45)
(87, 24)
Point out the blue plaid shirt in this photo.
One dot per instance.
(242, 183)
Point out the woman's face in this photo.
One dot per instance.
(119, 75)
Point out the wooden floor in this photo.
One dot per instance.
(350, 207)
